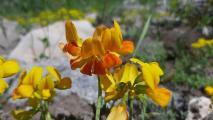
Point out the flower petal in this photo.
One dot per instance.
(53, 72)
(25, 91)
(99, 68)
(33, 77)
(129, 74)
(118, 113)
(71, 32)
(10, 67)
(111, 60)
(87, 67)
(127, 47)
(3, 86)
(72, 49)
(160, 96)
(65, 83)
(118, 34)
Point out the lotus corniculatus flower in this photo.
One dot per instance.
(151, 73)
(202, 42)
(115, 85)
(34, 85)
(7, 68)
(98, 53)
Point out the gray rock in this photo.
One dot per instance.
(9, 35)
(44, 41)
(209, 116)
(199, 108)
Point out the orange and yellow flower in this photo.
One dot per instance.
(98, 53)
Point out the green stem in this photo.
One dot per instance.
(143, 106)
(98, 108)
(125, 98)
(131, 109)
(45, 114)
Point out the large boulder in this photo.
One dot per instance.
(43, 42)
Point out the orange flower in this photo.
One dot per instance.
(73, 41)
(99, 53)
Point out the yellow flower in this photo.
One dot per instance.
(33, 84)
(151, 73)
(28, 83)
(202, 43)
(46, 87)
(7, 69)
(110, 83)
(209, 90)
(118, 112)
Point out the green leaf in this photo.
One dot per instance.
(143, 34)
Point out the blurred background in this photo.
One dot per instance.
(31, 29)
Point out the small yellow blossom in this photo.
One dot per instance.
(118, 112)
(202, 43)
(209, 90)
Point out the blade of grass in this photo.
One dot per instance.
(143, 34)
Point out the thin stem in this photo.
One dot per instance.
(125, 98)
(98, 108)
(45, 114)
(143, 106)
(131, 109)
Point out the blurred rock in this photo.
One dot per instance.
(71, 106)
(9, 35)
(209, 116)
(199, 108)
(43, 42)
(183, 36)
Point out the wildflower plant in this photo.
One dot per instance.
(39, 91)
(101, 55)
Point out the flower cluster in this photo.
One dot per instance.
(102, 55)
(7, 68)
(128, 79)
(96, 54)
(38, 89)
(202, 43)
